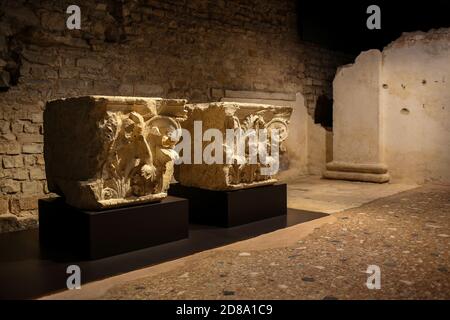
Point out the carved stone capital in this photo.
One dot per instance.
(103, 152)
(254, 120)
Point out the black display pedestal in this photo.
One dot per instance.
(98, 234)
(233, 208)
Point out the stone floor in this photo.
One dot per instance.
(406, 234)
(323, 195)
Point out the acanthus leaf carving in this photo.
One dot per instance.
(126, 145)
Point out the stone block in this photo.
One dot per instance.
(12, 161)
(30, 137)
(4, 126)
(37, 117)
(126, 89)
(33, 148)
(68, 73)
(16, 173)
(4, 208)
(148, 89)
(105, 151)
(28, 203)
(226, 117)
(31, 128)
(37, 174)
(8, 137)
(217, 93)
(39, 159)
(10, 186)
(32, 187)
(89, 63)
(29, 160)
(259, 95)
(17, 127)
(53, 21)
(14, 206)
(12, 148)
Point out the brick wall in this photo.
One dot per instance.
(166, 48)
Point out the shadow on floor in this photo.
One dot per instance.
(28, 271)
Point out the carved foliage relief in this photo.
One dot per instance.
(111, 151)
(251, 119)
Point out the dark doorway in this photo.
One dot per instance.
(323, 114)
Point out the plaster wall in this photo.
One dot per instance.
(416, 102)
(392, 112)
(319, 147)
(356, 110)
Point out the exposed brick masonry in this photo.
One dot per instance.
(166, 48)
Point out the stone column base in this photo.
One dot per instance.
(377, 172)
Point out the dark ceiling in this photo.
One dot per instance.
(341, 25)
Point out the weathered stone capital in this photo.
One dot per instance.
(104, 151)
(255, 120)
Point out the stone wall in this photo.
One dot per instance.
(166, 48)
(416, 102)
(395, 122)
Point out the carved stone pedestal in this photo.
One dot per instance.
(233, 207)
(97, 234)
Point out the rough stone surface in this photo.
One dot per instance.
(294, 160)
(104, 151)
(357, 122)
(406, 235)
(171, 49)
(395, 121)
(416, 101)
(232, 169)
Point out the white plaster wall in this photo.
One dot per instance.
(416, 107)
(356, 111)
(320, 147)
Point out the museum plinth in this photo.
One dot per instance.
(233, 207)
(98, 234)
